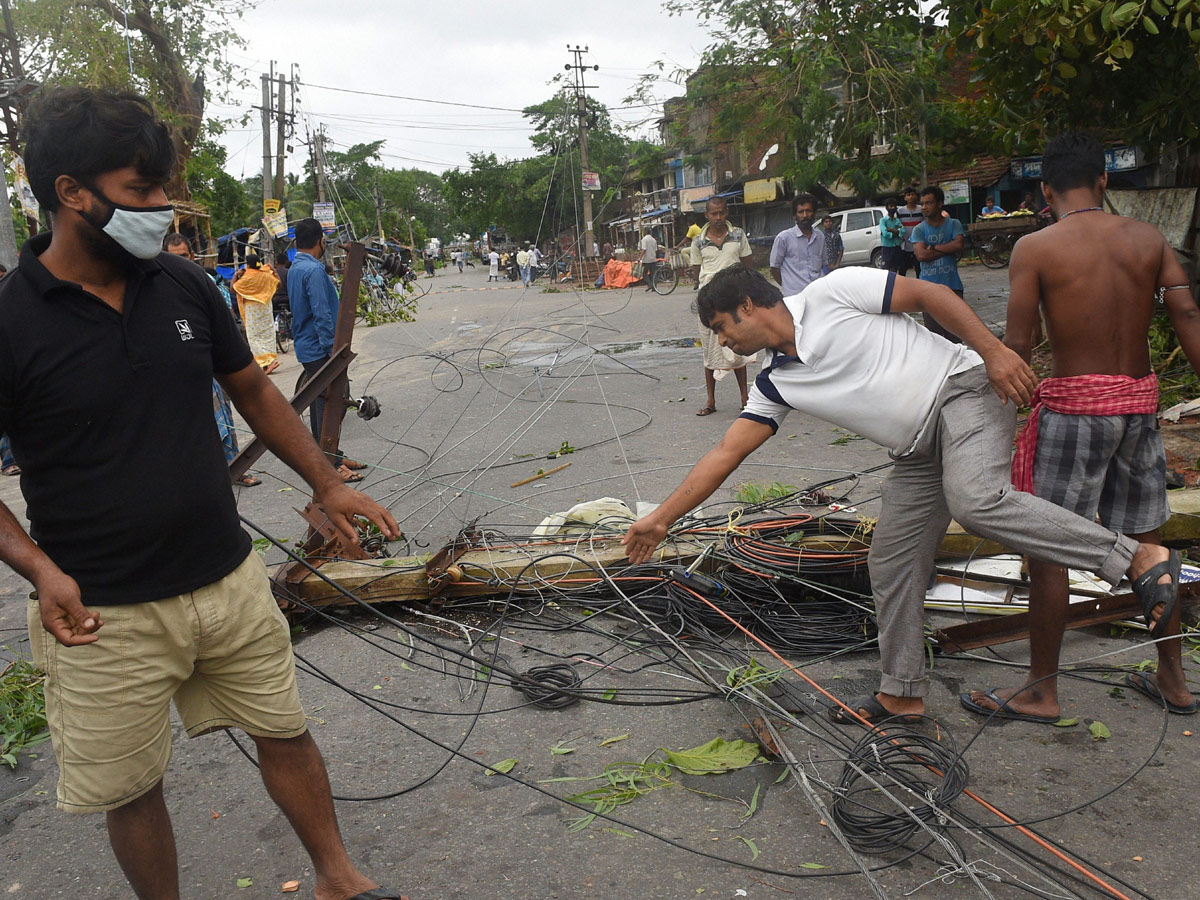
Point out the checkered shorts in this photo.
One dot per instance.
(1113, 466)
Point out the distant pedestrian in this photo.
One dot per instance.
(833, 245)
(718, 246)
(649, 247)
(255, 286)
(523, 265)
(937, 241)
(891, 237)
(798, 253)
(428, 263)
(493, 265)
(910, 214)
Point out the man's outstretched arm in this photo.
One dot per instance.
(276, 424)
(743, 438)
(1011, 377)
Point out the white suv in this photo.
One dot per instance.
(860, 235)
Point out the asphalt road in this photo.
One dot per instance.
(476, 394)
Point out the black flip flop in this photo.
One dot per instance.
(871, 709)
(1145, 686)
(379, 893)
(1150, 593)
(1002, 711)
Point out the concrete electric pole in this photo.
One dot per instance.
(589, 238)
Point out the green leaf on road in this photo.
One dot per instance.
(713, 758)
(502, 767)
(1099, 731)
(1066, 723)
(613, 740)
(812, 866)
(245, 882)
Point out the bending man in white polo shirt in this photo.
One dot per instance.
(842, 352)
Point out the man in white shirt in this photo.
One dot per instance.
(843, 351)
(649, 258)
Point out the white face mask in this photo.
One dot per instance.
(138, 229)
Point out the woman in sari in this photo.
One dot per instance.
(255, 285)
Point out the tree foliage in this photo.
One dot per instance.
(540, 196)
(1132, 68)
(176, 48)
(829, 79)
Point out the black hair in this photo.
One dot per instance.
(308, 234)
(724, 293)
(720, 201)
(1072, 160)
(801, 199)
(252, 261)
(932, 190)
(83, 133)
(176, 238)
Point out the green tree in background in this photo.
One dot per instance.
(1129, 68)
(176, 47)
(540, 196)
(830, 81)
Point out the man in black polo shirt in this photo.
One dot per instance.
(143, 597)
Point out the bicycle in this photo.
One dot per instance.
(283, 330)
(664, 278)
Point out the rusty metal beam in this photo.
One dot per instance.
(312, 389)
(1015, 627)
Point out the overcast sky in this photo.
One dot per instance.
(461, 52)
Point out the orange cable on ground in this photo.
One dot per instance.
(1033, 836)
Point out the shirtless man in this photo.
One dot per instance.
(1098, 309)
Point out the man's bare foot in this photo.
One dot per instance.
(1166, 684)
(1035, 700)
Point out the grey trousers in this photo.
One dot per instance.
(960, 468)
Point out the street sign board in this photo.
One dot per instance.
(325, 214)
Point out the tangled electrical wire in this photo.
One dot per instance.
(897, 783)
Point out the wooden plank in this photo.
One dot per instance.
(390, 580)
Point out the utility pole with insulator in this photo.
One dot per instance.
(267, 181)
(581, 107)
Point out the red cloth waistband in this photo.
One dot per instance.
(1081, 395)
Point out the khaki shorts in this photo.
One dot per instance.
(223, 653)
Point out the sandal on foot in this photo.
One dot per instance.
(870, 709)
(353, 464)
(706, 410)
(379, 893)
(11, 470)
(248, 481)
(1150, 593)
(1144, 685)
(347, 476)
(1002, 710)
